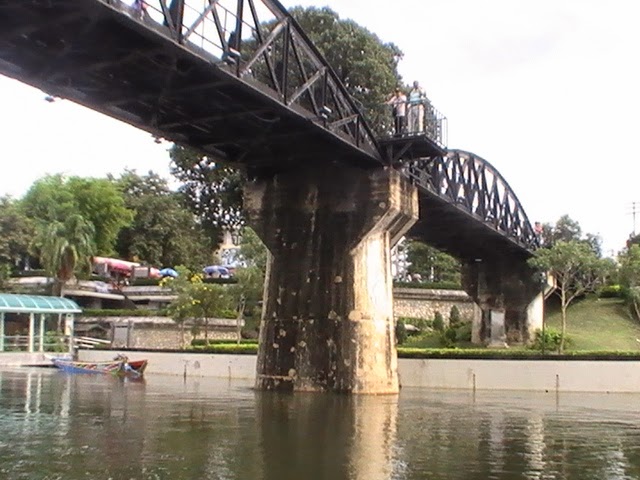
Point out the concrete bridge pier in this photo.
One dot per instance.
(327, 320)
(510, 299)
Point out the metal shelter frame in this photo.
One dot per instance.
(40, 306)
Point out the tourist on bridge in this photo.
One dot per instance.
(417, 99)
(399, 103)
(140, 7)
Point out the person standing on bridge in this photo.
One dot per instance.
(399, 104)
(417, 98)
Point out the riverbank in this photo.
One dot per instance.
(619, 376)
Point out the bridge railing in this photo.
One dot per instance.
(260, 43)
(475, 186)
(429, 121)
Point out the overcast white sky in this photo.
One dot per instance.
(547, 91)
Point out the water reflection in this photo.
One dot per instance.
(327, 436)
(54, 425)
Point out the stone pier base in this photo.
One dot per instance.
(510, 299)
(328, 315)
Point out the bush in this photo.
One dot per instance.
(438, 322)
(448, 337)
(421, 323)
(455, 333)
(242, 349)
(94, 312)
(512, 354)
(201, 342)
(454, 316)
(401, 332)
(611, 291)
(550, 341)
(429, 285)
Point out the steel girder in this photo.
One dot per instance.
(472, 185)
(249, 70)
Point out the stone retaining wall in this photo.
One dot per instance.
(157, 332)
(424, 303)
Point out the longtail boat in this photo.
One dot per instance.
(120, 366)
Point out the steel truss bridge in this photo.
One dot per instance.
(240, 81)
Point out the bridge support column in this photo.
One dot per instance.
(510, 300)
(327, 321)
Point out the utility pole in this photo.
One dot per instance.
(634, 209)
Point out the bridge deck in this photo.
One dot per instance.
(410, 147)
(455, 231)
(101, 57)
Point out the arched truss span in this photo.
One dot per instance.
(475, 186)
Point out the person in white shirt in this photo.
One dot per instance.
(417, 98)
(399, 103)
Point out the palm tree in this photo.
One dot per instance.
(65, 249)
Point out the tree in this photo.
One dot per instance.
(55, 198)
(367, 67)
(17, 232)
(567, 229)
(252, 251)
(163, 232)
(213, 191)
(65, 249)
(431, 263)
(630, 277)
(576, 269)
(198, 300)
(211, 301)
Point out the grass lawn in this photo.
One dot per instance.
(598, 324)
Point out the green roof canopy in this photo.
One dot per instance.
(12, 303)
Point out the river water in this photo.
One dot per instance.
(59, 426)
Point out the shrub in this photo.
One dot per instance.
(549, 341)
(401, 332)
(94, 312)
(448, 337)
(454, 316)
(421, 323)
(242, 349)
(611, 291)
(429, 285)
(438, 322)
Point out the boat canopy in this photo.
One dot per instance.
(14, 303)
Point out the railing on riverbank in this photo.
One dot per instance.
(50, 343)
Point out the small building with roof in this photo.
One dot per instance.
(36, 323)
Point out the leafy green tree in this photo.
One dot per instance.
(366, 65)
(163, 232)
(211, 301)
(567, 229)
(431, 263)
(197, 300)
(55, 198)
(576, 269)
(65, 249)
(181, 307)
(630, 277)
(213, 191)
(253, 252)
(17, 232)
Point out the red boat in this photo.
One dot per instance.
(121, 366)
